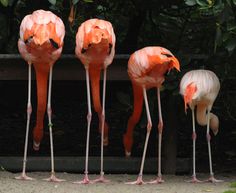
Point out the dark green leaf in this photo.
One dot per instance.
(53, 2)
(228, 2)
(88, 1)
(231, 26)
(234, 2)
(201, 3)
(190, 2)
(230, 45)
(75, 1)
(4, 2)
(218, 37)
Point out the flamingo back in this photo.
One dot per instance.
(41, 33)
(206, 82)
(148, 65)
(85, 38)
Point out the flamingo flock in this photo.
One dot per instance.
(41, 44)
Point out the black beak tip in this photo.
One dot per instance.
(54, 44)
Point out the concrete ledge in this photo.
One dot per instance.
(76, 164)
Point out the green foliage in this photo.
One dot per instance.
(4, 2)
(233, 185)
(53, 2)
(225, 18)
(230, 191)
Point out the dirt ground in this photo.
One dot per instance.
(172, 184)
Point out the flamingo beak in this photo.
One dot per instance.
(188, 95)
(186, 101)
(175, 63)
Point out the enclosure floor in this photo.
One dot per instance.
(173, 184)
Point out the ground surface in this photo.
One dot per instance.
(173, 184)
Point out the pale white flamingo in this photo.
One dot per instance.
(200, 89)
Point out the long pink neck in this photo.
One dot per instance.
(42, 71)
(202, 118)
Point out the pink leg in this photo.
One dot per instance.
(159, 179)
(23, 175)
(52, 178)
(102, 179)
(89, 117)
(139, 180)
(194, 137)
(208, 136)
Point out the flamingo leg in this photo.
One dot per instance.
(52, 178)
(23, 175)
(101, 178)
(160, 129)
(194, 137)
(89, 117)
(208, 136)
(139, 180)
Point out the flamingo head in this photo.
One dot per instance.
(41, 35)
(98, 35)
(172, 61)
(188, 94)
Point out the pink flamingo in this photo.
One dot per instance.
(200, 89)
(40, 44)
(95, 47)
(146, 68)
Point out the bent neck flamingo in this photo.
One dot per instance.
(200, 89)
(95, 47)
(146, 68)
(40, 44)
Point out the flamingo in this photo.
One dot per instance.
(95, 47)
(146, 69)
(40, 44)
(200, 89)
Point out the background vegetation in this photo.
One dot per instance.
(201, 33)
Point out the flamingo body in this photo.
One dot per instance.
(97, 35)
(95, 47)
(40, 44)
(147, 68)
(200, 89)
(36, 30)
(206, 86)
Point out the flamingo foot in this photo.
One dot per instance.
(23, 176)
(127, 153)
(105, 141)
(194, 180)
(84, 181)
(139, 181)
(36, 146)
(53, 178)
(101, 179)
(213, 180)
(158, 180)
